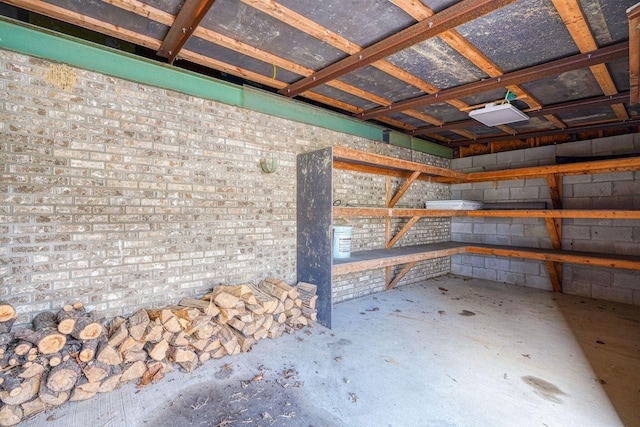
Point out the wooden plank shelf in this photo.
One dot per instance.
(345, 212)
(379, 258)
(557, 255)
(316, 212)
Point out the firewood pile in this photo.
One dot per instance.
(73, 354)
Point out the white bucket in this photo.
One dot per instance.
(341, 241)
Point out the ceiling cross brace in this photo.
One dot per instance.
(183, 27)
(560, 108)
(454, 16)
(571, 63)
(570, 130)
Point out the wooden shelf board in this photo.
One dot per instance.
(344, 212)
(379, 258)
(557, 255)
(581, 168)
(376, 163)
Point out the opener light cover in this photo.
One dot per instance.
(494, 115)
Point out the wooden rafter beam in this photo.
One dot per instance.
(560, 108)
(633, 13)
(552, 68)
(185, 24)
(307, 26)
(458, 14)
(536, 134)
(575, 21)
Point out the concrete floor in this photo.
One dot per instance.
(452, 351)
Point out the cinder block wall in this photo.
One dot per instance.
(599, 191)
(125, 196)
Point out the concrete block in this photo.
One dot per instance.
(614, 176)
(579, 148)
(619, 144)
(576, 232)
(493, 239)
(495, 194)
(607, 293)
(525, 267)
(538, 282)
(573, 288)
(524, 194)
(592, 275)
(617, 234)
(461, 269)
(510, 277)
(577, 179)
(510, 159)
(486, 161)
(628, 187)
(626, 279)
(484, 273)
(537, 230)
(462, 164)
(545, 155)
(498, 263)
(484, 229)
(599, 189)
(461, 227)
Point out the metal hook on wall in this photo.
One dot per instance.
(265, 167)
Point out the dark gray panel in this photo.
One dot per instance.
(588, 116)
(344, 97)
(314, 226)
(169, 6)
(248, 25)
(437, 63)
(619, 71)
(362, 22)
(563, 87)
(522, 34)
(496, 95)
(220, 53)
(115, 16)
(439, 5)
(372, 80)
(608, 19)
(444, 112)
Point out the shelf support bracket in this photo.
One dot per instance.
(402, 231)
(403, 189)
(400, 275)
(554, 225)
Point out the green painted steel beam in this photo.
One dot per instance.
(431, 148)
(42, 43)
(35, 41)
(280, 106)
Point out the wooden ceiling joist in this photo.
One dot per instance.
(609, 53)
(633, 13)
(185, 24)
(564, 107)
(632, 123)
(456, 15)
(577, 25)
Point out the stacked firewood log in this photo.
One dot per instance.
(72, 355)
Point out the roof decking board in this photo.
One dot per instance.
(515, 37)
(376, 19)
(437, 63)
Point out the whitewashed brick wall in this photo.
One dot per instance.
(124, 196)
